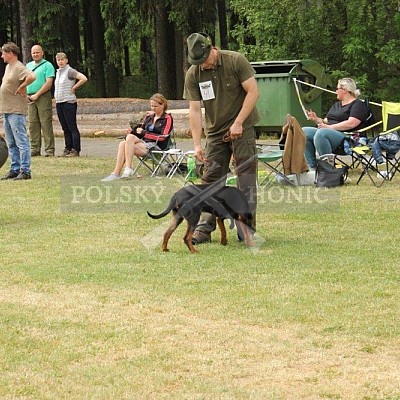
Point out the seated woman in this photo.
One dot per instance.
(152, 133)
(346, 115)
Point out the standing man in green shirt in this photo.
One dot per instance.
(40, 111)
(224, 82)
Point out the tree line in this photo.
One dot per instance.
(113, 40)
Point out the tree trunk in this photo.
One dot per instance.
(112, 80)
(180, 64)
(87, 30)
(127, 63)
(69, 37)
(222, 22)
(73, 37)
(4, 15)
(98, 48)
(165, 44)
(146, 55)
(25, 30)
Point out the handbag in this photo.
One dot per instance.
(329, 173)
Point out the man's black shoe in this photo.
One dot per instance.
(10, 175)
(22, 175)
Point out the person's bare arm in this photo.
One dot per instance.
(196, 127)
(80, 80)
(346, 125)
(45, 88)
(27, 81)
(251, 88)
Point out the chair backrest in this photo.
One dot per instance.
(390, 115)
(370, 119)
(170, 142)
(370, 123)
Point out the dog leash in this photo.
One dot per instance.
(227, 139)
(199, 195)
(203, 195)
(214, 187)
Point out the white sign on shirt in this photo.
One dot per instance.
(207, 90)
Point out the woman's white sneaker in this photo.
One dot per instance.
(128, 172)
(111, 177)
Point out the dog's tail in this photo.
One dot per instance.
(163, 213)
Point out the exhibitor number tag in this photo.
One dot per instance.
(207, 90)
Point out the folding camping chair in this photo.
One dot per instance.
(290, 163)
(181, 164)
(270, 159)
(386, 144)
(156, 161)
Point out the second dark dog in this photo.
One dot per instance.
(224, 202)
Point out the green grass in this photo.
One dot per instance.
(91, 308)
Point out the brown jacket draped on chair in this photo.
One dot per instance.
(294, 161)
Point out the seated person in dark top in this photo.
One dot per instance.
(152, 133)
(346, 115)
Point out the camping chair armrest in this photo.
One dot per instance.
(165, 136)
(168, 140)
(389, 131)
(273, 146)
(367, 128)
(370, 126)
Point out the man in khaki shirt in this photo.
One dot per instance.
(224, 83)
(13, 104)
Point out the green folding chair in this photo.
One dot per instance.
(271, 161)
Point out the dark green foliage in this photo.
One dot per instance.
(357, 38)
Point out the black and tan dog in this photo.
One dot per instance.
(225, 202)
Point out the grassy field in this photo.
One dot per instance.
(91, 308)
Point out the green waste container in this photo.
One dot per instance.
(278, 95)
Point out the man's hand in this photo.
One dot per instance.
(199, 154)
(21, 91)
(22, 87)
(33, 97)
(236, 130)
